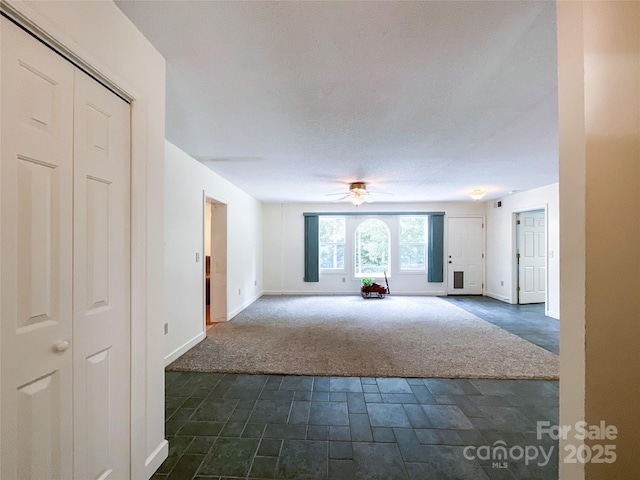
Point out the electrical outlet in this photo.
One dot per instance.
(255, 283)
(166, 328)
(344, 280)
(197, 256)
(502, 283)
(239, 292)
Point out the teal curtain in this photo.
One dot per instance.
(311, 248)
(435, 251)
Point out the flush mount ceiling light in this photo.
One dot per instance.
(477, 194)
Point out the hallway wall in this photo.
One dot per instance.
(185, 181)
(501, 253)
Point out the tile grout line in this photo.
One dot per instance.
(186, 420)
(264, 429)
(217, 436)
(221, 429)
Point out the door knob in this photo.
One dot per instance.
(60, 346)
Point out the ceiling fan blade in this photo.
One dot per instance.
(332, 194)
(231, 159)
(380, 193)
(368, 199)
(342, 198)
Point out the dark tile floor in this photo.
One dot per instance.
(526, 321)
(229, 426)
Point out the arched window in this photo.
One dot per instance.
(372, 249)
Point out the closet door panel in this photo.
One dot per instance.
(102, 282)
(36, 191)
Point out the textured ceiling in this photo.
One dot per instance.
(426, 100)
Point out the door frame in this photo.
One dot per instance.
(146, 338)
(212, 199)
(514, 248)
(484, 250)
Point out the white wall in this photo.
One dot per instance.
(599, 112)
(284, 249)
(100, 36)
(501, 244)
(185, 181)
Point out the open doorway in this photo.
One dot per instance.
(215, 264)
(530, 263)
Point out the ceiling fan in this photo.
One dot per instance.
(229, 159)
(357, 194)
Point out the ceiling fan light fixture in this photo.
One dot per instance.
(357, 199)
(359, 188)
(477, 194)
(357, 194)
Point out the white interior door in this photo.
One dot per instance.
(218, 286)
(36, 239)
(65, 238)
(465, 254)
(532, 263)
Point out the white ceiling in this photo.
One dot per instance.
(426, 100)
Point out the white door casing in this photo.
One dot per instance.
(65, 367)
(36, 217)
(465, 255)
(532, 263)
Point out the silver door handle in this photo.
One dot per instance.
(61, 346)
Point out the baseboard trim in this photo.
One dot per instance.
(311, 294)
(272, 292)
(236, 311)
(153, 461)
(304, 292)
(184, 348)
(553, 314)
(498, 297)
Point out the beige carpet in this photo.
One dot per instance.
(351, 336)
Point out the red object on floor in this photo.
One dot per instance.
(376, 290)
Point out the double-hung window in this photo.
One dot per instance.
(332, 239)
(413, 242)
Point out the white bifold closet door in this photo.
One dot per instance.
(65, 277)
